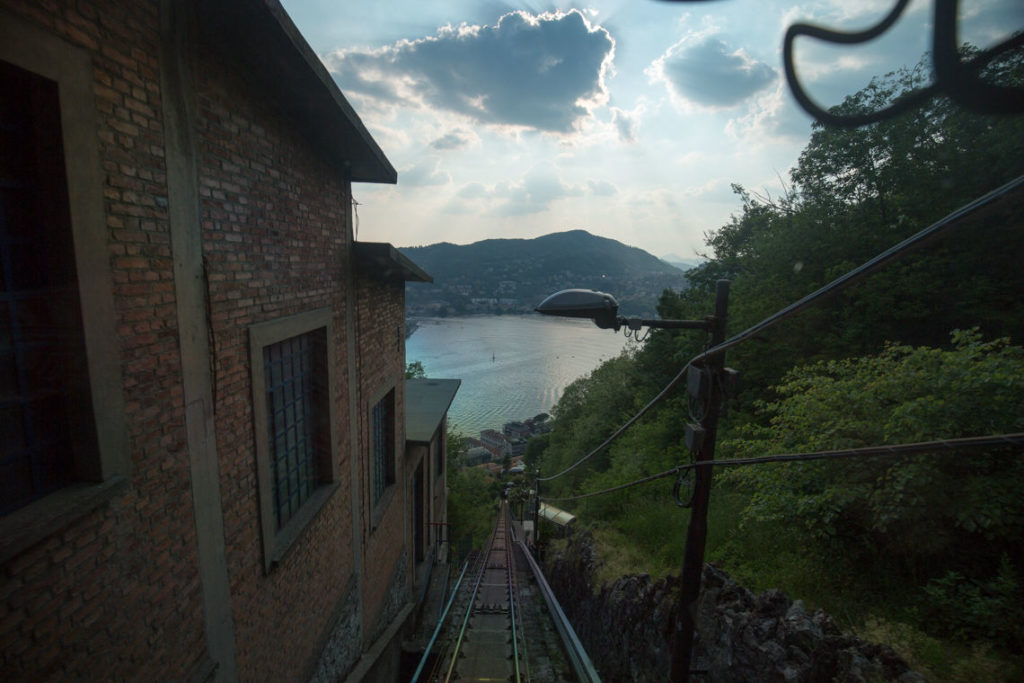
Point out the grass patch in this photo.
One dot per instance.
(939, 660)
(648, 537)
(618, 556)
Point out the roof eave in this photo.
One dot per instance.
(276, 56)
(384, 260)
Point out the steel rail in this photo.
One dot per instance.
(512, 592)
(519, 602)
(469, 608)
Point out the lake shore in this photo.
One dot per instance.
(511, 366)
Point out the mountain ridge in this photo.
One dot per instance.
(512, 275)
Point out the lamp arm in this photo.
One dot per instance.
(637, 323)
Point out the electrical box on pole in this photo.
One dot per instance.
(705, 384)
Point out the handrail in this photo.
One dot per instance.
(578, 657)
(440, 623)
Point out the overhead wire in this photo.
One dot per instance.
(836, 285)
(867, 268)
(938, 446)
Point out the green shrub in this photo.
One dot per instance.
(960, 509)
(991, 610)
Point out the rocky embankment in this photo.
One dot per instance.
(626, 627)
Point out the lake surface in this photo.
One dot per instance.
(512, 367)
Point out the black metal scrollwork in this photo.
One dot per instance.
(955, 78)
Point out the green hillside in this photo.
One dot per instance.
(514, 275)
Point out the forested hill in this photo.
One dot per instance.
(514, 275)
(924, 551)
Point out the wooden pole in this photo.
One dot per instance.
(696, 532)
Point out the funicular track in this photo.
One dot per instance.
(499, 627)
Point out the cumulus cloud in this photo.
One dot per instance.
(534, 193)
(425, 173)
(543, 72)
(774, 117)
(473, 191)
(602, 188)
(456, 139)
(705, 71)
(624, 124)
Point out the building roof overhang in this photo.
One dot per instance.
(383, 260)
(426, 404)
(274, 56)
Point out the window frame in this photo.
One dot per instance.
(106, 475)
(378, 506)
(278, 541)
(441, 444)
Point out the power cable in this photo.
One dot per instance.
(1015, 439)
(917, 448)
(620, 487)
(852, 276)
(840, 283)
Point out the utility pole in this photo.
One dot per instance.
(696, 532)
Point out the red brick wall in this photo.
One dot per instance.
(380, 320)
(115, 594)
(274, 226)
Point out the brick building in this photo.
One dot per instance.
(204, 466)
(427, 402)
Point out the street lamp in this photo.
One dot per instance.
(603, 309)
(705, 384)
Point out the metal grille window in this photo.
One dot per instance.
(46, 438)
(297, 466)
(294, 372)
(383, 426)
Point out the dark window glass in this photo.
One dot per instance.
(295, 373)
(383, 426)
(46, 431)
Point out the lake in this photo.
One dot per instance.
(512, 367)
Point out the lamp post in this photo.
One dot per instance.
(603, 310)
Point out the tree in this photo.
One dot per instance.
(535, 449)
(414, 370)
(470, 499)
(962, 510)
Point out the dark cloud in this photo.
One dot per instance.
(457, 139)
(527, 70)
(709, 73)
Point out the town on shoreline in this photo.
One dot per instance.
(503, 451)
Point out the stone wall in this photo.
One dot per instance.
(344, 645)
(626, 628)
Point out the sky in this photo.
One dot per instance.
(630, 119)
